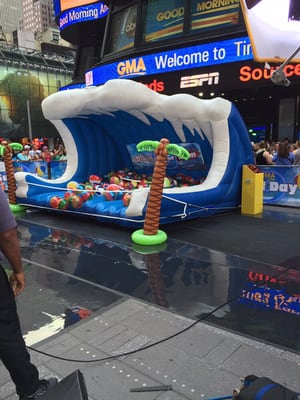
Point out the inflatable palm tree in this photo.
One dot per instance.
(151, 235)
(6, 152)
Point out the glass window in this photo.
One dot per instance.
(85, 59)
(207, 15)
(163, 20)
(122, 31)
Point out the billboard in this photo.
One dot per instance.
(274, 28)
(202, 55)
(21, 94)
(66, 4)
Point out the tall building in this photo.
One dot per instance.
(26, 15)
(38, 15)
(10, 14)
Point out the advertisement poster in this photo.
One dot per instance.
(164, 19)
(21, 94)
(281, 185)
(123, 29)
(144, 161)
(3, 179)
(208, 15)
(40, 168)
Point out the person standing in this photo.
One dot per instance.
(283, 155)
(13, 352)
(24, 154)
(262, 155)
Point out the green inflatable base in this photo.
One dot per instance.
(146, 250)
(138, 237)
(16, 208)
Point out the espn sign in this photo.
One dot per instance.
(191, 81)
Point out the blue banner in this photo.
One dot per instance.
(233, 50)
(281, 185)
(54, 170)
(144, 161)
(3, 180)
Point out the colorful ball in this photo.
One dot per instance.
(67, 195)
(167, 182)
(109, 196)
(75, 201)
(80, 187)
(112, 192)
(114, 180)
(62, 204)
(88, 186)
(72, 185)
(95, 180)
(126, 199)
(54, 201)
(86, 195)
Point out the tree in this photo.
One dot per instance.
(6, 150)
(151, 234)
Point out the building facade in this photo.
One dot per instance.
(26, 78)
(38, 15)
(10, 14)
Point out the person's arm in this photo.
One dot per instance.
(9, 244)
(268, 158)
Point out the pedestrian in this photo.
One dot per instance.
(262, 155)
(13, 352)
(283, 155)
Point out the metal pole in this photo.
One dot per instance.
(29, 120)
(289, 59)
(278, 76)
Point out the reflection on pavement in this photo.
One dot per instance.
(70, 271)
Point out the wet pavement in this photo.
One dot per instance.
(217, 302)
(76, 267)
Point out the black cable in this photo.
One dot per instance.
(159, 341)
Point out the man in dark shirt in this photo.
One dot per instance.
(13, 352)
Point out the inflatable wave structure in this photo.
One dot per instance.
(99, 125)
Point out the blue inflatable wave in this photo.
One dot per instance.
(101, 125)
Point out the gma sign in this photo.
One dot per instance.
(274, 28)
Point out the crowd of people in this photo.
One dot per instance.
(33, 153)
(277, 153)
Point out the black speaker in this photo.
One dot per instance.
(70, 388)
(264, 389)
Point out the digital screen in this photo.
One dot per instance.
(82, 14)
(163, 20)
(273, 27)
(207, 15)
(215, 53)
(66, 4)
(123, 29)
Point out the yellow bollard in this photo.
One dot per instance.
(252, 191)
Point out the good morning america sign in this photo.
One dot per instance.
(238, 49)
(82, 14)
